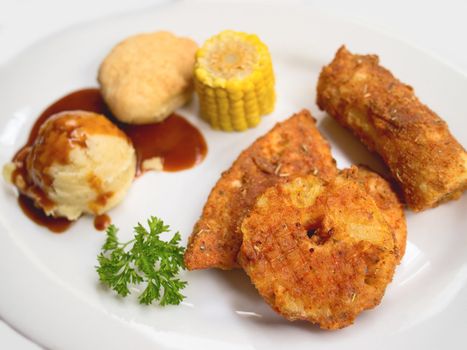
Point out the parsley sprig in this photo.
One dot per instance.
(150, 261)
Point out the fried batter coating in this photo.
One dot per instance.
(294, 146)
(416, 144)
(387, 201)
(318, 252)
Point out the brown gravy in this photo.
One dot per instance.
(101, 222)
(57, 225)
(178, 144)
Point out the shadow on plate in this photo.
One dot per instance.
(351, 147)
(251, 307)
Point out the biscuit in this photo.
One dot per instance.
(148, 76)
(318, 251)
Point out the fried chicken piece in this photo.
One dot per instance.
(294, 146)
(316, 251)
(416, 144)
(387, 201)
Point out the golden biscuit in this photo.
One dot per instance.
(148, 76)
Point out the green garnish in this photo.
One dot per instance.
(151, 261)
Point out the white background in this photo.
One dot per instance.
(439, 27)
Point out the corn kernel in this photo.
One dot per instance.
(233, 98)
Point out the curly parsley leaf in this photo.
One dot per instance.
(146, 259)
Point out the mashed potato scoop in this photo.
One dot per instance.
(79, 163)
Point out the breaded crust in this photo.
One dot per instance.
(294, 146)
(387, 201)
(318, 252)
(425, 159)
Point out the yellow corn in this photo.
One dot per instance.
(234, 80)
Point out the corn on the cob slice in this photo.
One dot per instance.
(234, 80)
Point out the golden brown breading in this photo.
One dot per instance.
(148, 76)
(318, 252)
(423, 156)
(387, 201)
(294, 146)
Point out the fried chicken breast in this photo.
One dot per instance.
(317, 251)
(428, 163)
(292, 147)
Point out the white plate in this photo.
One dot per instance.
(49, 289)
